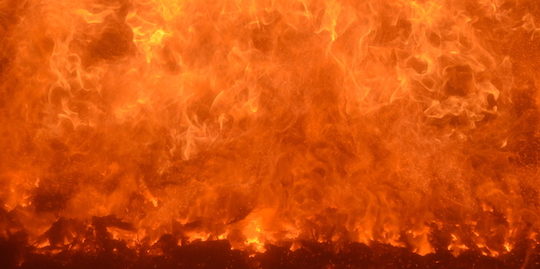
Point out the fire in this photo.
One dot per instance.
(412, 123)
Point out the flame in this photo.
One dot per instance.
(412, 123)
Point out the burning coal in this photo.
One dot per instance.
(413, 124)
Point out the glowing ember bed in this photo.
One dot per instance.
(166, 253)
(269, 134)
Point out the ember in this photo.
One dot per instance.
(269, 133)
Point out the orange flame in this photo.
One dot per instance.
(400, 122)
